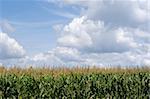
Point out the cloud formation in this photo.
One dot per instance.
(94, 36)
(100, 44)
(10, 48)
(107, 32)
(125, 13)
(59, 56)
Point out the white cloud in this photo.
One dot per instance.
(44, 59)
(9, 47)
(67, 54)
(94, 36)
(115, 59)
(128, 13)
(104, 45)
(108, 32)
(74, 34)
(57, 56)
(72, 57)
(146, 62)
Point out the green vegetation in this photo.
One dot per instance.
(134, 84)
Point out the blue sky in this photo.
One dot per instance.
(33, 22)
(75, 32)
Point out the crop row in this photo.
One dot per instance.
(76, 86)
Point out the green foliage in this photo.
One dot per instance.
(76, 86)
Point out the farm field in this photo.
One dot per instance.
(74, 49)
(75, 83)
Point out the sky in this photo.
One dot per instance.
(74, 32)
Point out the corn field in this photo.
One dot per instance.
(90, 84)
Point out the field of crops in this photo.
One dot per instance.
(77, 83)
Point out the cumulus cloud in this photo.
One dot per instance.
(67, 54)
(43, 59)
(10, 48)
(100, 44)
(108, 47)
(130, 58)
(108, 32)
(66, 57)
(59, 56)
(88, 35)
(126, 13)
(56, 57)
(74, 34)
